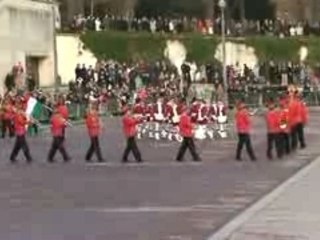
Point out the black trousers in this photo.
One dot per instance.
(94, 148)
(294, 137)
(284, 143)
(244, 139)
(297, 136)
(300, 135)
(7, 126)
(187, 143)
(273, 140)
(131, 146)
(58, 145)
(20, 144)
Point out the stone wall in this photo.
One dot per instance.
(26, 30)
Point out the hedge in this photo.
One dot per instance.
(130, 46)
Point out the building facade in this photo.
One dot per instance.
(297, 9)
(27, 37)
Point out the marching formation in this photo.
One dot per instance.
(160, 120)
(165, 119)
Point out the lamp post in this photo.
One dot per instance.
(92, 8)
(55, 51)
(223, 5)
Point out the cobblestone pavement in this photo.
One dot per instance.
(159, 200)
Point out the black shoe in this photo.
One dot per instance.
(197, 160)
(67, 160)
(124, 161)
(88, 160)
(101, 160)
(179, 160)
(253, 159)
(29, 161)
(303, 147)
(238, 159)
(50, 161)
(140, 161)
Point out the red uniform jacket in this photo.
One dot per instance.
(150, 112)
(63, 110)
(243, 123)
(93, 124)
(138, 109)
(129, 125)
(203, 118)
(194, 112)
(20, 123)
(58, 123)
(180, 108)
(185, 126)
(8, 112)
(168, 112)
(273, 121)
(294, 112)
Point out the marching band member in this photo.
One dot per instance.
(138, 111)
(273, 137)
(202, 121)
(186, 131)
(220, 116)
(62, 109)
(159, 116)
(7, 116)
(303, 120)
(94, 128)
(58, 125)
(194, 110)
(20, 126)
(284, 143)
(129, 124)
(149, 112)
(173, 116)
(297, 117)
(243, 125)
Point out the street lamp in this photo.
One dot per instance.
(54, 5)
(92, 8)
(222, 4)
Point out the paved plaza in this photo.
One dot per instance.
(158, 200)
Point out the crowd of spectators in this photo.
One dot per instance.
(109, 79)
(276, 27)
